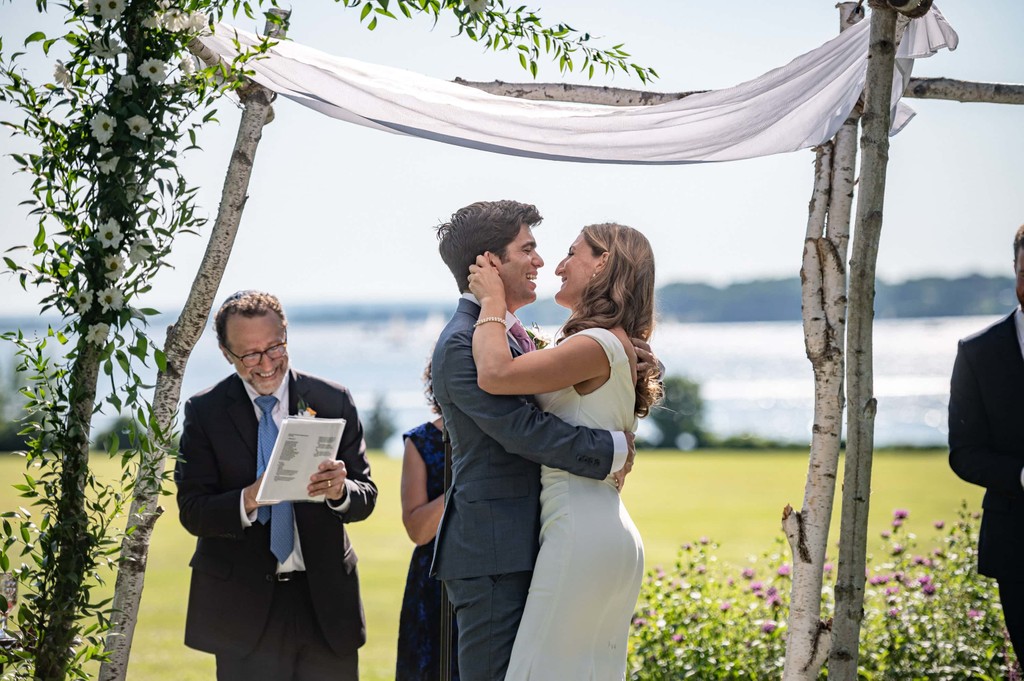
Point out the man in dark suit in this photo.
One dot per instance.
(986, 446)
(275, 590)
(488, 538)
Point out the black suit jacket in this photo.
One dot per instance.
(232, 567)
(986, 441)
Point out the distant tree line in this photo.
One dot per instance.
(779, 299)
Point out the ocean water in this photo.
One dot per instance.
(754, 376)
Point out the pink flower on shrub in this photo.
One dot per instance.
(878, 580)
(974, 614)
(886, 534)
(828, 568)
(748, 573)
(897, 522)
(677, 637)
(701, 569)
(724, 606)
(897, 549)
(893, 613)
(756, 587)
(901, 514)
(939, 524)
(704, 541)
(768, 626)
(928, 589)
(784, 570)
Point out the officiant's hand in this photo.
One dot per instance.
(485, 281)
(249, 496)
(329, 480)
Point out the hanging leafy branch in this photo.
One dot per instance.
(500, 28)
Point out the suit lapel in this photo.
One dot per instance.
(296, 393)
(242, 414)
(1013, 364)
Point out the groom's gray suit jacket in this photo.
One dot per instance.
(491, 520)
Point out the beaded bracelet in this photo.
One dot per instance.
(484, 320)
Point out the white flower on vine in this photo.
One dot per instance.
(106, 47)
(98, 333)
(126, 83)
(111, 299)
(109, 234)
(198, 22)
(102, 127)
(82, 301)
(108, 165)
(175, 20)
(108, 9)
(62, 75)
(477, 6)
(187, 65)
(154, 69)
(114, 266)
(139, 127)
(141, 250)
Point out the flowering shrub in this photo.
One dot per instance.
(926, 615)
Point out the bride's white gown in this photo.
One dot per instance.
(591, 560)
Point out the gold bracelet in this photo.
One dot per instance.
(484, 320)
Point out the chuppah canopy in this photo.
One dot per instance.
(796, 106)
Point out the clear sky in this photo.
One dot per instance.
(342, 213)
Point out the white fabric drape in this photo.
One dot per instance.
(797, 106)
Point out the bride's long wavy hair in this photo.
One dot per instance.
(621, 294)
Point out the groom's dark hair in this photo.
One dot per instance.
(479, 227)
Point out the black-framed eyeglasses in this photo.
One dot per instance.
(251, 359)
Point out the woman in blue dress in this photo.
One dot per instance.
(419, 627)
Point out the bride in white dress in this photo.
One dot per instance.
(590, 566)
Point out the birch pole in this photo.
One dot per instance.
(849, 590)
(182, 337)
(823, 294)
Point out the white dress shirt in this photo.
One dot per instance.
(294, 562)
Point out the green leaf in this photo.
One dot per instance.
(161, 359)
(35, 37)
(367, 8)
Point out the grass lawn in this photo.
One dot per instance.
(734, 498)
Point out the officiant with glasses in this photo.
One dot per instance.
(275, 589)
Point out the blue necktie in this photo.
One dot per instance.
(282, 533)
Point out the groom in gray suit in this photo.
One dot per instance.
(487, 541)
